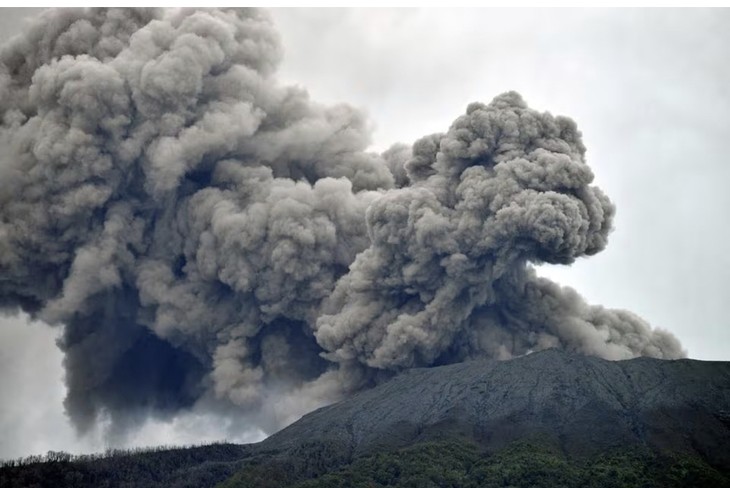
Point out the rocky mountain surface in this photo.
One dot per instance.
(583, 404)
(576, 421)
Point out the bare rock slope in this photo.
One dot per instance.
(584, 405)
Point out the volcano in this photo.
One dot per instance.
(560, 418)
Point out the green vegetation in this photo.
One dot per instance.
(453, 464)
(200, 467)
(464, 465)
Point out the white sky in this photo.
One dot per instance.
(650, 90)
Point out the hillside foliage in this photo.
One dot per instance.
(464, 465)
(447, 464)
(198, 466)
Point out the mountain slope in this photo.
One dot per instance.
(547, 419)
(582, 404)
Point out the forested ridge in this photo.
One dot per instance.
(196, 466)
(522, 464)
(454, 464)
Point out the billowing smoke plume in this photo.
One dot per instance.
(206, 234)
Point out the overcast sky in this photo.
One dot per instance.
(649, 89)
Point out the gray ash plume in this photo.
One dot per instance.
(204, 234)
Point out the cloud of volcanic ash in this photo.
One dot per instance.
(207, 236)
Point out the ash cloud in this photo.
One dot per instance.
(207, 236)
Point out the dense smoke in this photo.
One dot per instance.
(205, 234)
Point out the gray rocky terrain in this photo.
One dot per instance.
(657, 422)
(582, 404)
